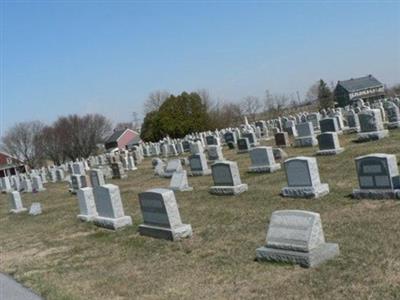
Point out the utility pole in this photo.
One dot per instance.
(136, 120)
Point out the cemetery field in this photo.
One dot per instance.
(60, 257)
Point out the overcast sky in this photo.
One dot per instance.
(65, 57)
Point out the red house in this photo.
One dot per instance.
(121, 138)
(10, 165)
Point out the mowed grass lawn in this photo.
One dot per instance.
(60, 257)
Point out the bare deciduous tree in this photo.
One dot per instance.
(312, 93)
(205, 98)
(251, 106)
(79, 136)
(394, 91)
(50, 142)
(21, 142)
(123, 125)
(155, 100)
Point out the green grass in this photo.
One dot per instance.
(62, 258)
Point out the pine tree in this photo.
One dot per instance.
(325, 97)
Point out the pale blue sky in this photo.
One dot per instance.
(61, 57)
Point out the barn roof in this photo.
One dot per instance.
(115, 136)
(10, 156)
(118, 133)
(361, 83)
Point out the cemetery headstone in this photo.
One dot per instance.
(262, 160)
(60, 174)
(243, 145)
(36, 209)
(329, 125)
(252, 138)
(279, 154)
(215, 153)
(303, 178)
(378, 177)
(371, 125)
(198, 165)
(393, 114)
(161, 216)
(109, 208)
(179, 182)
(96, 177)
(282, 139)
(226, 179)
(16, 203)
(296, 236)
(27, 185)
(6, 185)
(118, 171)
(329, 144)
(196, 147)
(305, 136)
(37, 184)
(77, 182)
(353, 122)
(87, 205)
(174, 165)
(131, 163)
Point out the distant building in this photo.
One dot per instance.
(367, 88)
(10, 165)
(121, 138)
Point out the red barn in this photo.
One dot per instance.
(10, 165)
(121, 138)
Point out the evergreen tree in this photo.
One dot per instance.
(176, 117)
(325, 97)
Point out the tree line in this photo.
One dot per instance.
(176, 116)
(68, 138)
(71, 137)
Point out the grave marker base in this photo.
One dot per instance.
(17, 211)
(376, 194)
(306, 191)
(330, 151)
(167, 175)
(185, 189)
(310, 259)
(200, 173)
(113, 224)
(393, 125)
(308, 141)
(171, 234)
(371, 136)
(120, 177)
(228, 190)
(264, 169)
(349, 130)
(86, 218)
(242, 151)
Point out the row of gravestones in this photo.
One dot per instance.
(367, 120)
(22, 183)
(293, 236)
(377, 175)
